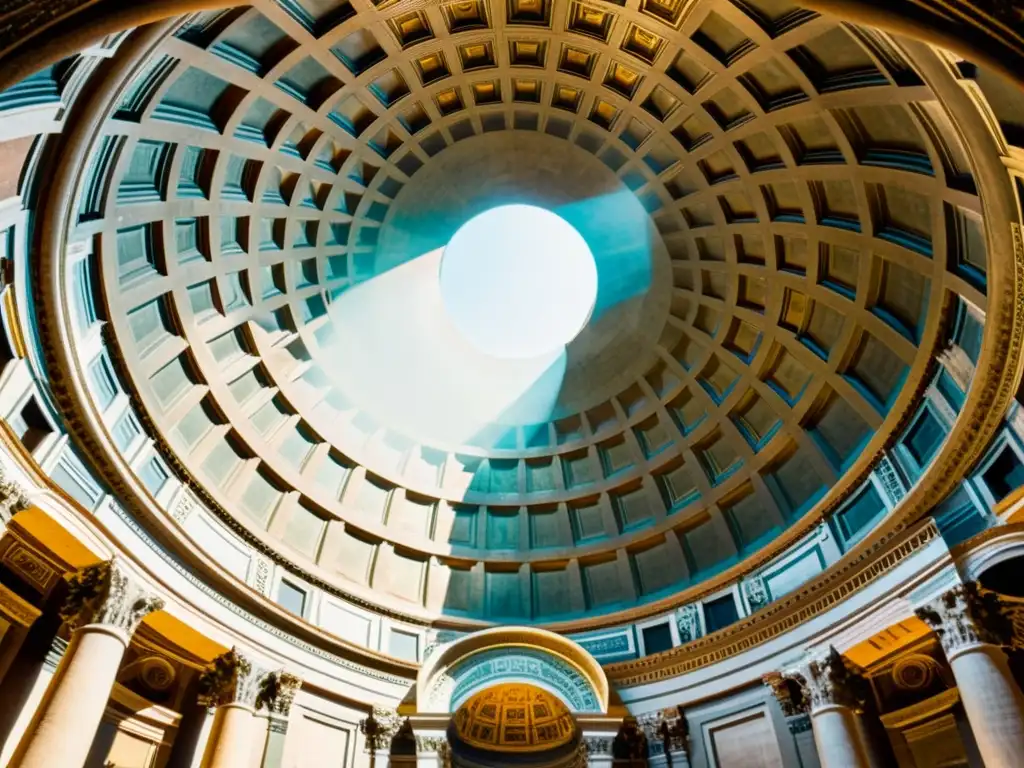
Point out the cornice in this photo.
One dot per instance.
(811, 600)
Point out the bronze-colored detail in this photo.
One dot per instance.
(17, 610)
(30, 566)
(233, 678)
(779, 617)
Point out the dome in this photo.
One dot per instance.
(536, 376)
(767, 222)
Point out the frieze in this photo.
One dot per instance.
(184, 506)
(756, 592)
(777, 618)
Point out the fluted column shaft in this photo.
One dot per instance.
(831, 691)
(237, 687)
(234, 731)
(105, 605)
(837, 738)
(992, 701)
(969, 625)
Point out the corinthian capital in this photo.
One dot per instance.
(829, 680)
(108, 595)
(789, 692)
(279, 691)
(13, 498)
(233, 678)
(967, 615)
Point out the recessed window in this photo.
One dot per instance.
(657, 638)
(404, 645)
(291, 598)
(720, 613)
(1004, 475)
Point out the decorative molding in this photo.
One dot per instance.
(261, 581)
(184, 506)
(598, 745)
(30, 566)
(108, 595)
(756, 593)
(688, 623)
(431, 743)
(813, 599)
(890, 480)
(16, 610)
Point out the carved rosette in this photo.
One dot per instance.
(965, 616)
(106, 594)
(233, 678)
(830, 680)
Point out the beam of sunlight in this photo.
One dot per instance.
(394, 352)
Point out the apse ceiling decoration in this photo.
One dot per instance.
(514, 717)
(778, 209)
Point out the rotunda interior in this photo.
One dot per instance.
(527, 383)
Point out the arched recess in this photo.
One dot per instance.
(455, 672)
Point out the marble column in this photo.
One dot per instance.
(830, 691)
(971, 627)
(282, 689)
(104, 607)
(234, 684)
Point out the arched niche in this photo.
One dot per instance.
(453, 673)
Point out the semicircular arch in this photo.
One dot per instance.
(470, 664)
